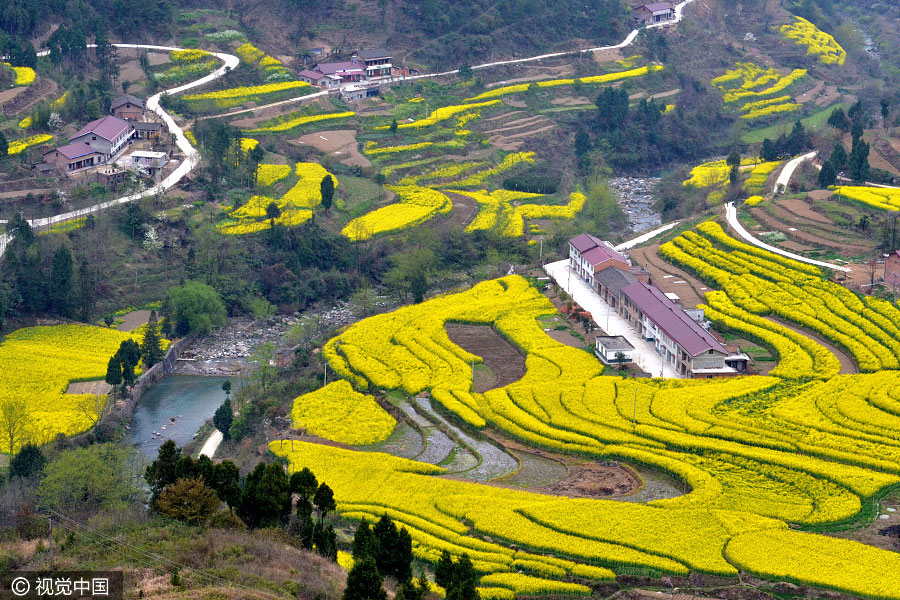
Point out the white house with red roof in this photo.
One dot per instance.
(589, 255)
(106, 135)
(319, 78)
(657, 12)
(349, 72)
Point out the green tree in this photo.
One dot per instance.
(304, 523)
(263, 356)
(304, 483)
(734, 161)
(325, 540)
(85, 480)
(393, 127)
(364, 582)
(114, 372)
(838, 119)
(326, 188)
(4, 145)
(196, 308)
(457, 578)
(324, 501)
(188, 500)
(227, 483)
(827, 176)
(28, 462)
(87, 296)
(61, 282)
(418, 286)
(163, 470)
(151, 346)
(266, 499)
(365, 544)
(394, 550)
(223, 417)
(838, 158)
(272, 212)
(858, 162)
(19, 227)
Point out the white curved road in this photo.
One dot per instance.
(784, 178)
(231, 61)
(212, 443)
(731, 217)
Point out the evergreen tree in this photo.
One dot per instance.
(418, 286)
(393, 127)
(28, 462)
(4, 145)
(222, 419)
(327, 190)
(769, 153)
(458, 578)
(151, 346)
(87, 296)
(325, 540)
(364, 582)
(365, 544)
(61, 282)
(734, 161)
(612, 109)
(162, 471)
(324, 501)
(838, 158)
(306, 526)
(394, 550)
(827, 176)
(114, 372)
(304, 483)
(266, 499)
(411, 590)
(227, 483)
(839, 120)
(858, 162)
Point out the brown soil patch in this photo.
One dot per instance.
(131, 71)
(339, 143)
(605, 56)
(820, 194)
(133, 320)
(505, 115)
(564, 337)
(552, 73)
(569, 101)
(664, 276)
(519, 124)
(7, 95)
(794, 246)
(265, 114)
(869, 534)
(514, 102)
(829, 97)
(40, 89)
(817, 240)
(464, 209)
(503, 359)
(93, 388)
(21, 193)
(847, 364)
(811, 94)
(804, 210)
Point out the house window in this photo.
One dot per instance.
(710, 351)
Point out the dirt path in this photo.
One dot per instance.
(847, 364)
(464, 209)
(803, 236)
(93, 388)
(804, 210)
(506, 363)
(665, 276)
(133, 320)
(811, 94)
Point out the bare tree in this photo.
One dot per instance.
(91, 406)
(15, 422)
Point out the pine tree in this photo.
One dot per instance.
(327, 190)
(222, 419)
(827, 176)
(364, 582)
(114, 372)
(151, 346)
(4, 145)
(365, 544)
(324, 501)
(61, 282)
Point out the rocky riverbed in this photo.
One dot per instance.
(636, 198)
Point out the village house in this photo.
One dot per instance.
(319, 79)
(611, 348)
(71, 157)
(892, 269)
(107, 135)
(377, 62)
(128, 107)
(348, 72)
(146, 130)
(589, 255)
(649, 14)
(150, 162)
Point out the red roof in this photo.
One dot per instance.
(312, 74)
(73, 151)
(346, 67)
(108, 128)
(595, 250)
(669, 317)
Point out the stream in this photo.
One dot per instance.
(189, 399)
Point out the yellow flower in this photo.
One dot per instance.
(338, 413)
(817, 42)
(18, 146)
(298, 121)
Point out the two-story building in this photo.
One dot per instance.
(650, 14)
(150, 162)
(681, 341)
(348, 72)
(107, 135)
(377, 62)
(128, 107)
(589, 255)
(319, 79)
(72, 157)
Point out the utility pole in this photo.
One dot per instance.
(326, 375)
(50, 519)
(634, 414)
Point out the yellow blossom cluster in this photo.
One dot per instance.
(817, 42)
(417, 204)
(607, 78)
(339, 413)
(294, 122)
(24, 75)
(236, 96)
(875, 197)
(17, 146)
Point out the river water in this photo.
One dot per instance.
(191, 400)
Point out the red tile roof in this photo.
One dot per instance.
(108, 128)
(311, 74)
(669, 317)
(332, 68)
(595, 251)
(585, 242)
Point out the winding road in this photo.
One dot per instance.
(230, 62)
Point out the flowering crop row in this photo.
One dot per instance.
(756, 183)
(882, 198)
(55, 106)
(714, 175)
(231, 97)
(37, 364)
(742, 82)
(417, 204)
(508, 162)
(271, 67)
(782, 84)
(267, 175)
(338, 413)
(772, 109)
(607, 78)
(445, 172)
(753, 201)
(189, 55)
(817, 42)
(188, 69)
(17, 146)
(442, 114)
(295, 206)
(303, 120)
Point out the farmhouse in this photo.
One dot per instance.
(319, 79)
(128, 107)
(106, 135)
(378, 62)
(151, 162)
(348, 72)
(892, 269)
(146, 130)
(72, 157)
(611, 348)
(648, 14)
(680, 340)
(589, 255)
